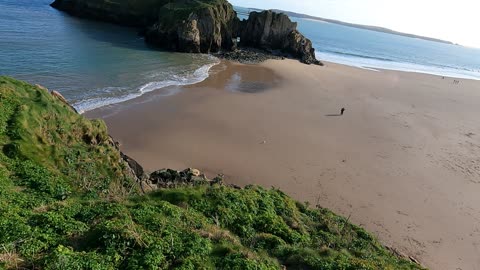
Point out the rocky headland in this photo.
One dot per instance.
(207, 26)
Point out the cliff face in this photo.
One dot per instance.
(202, 29)
(275, 31)
(197, 26)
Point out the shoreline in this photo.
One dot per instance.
(133, 96)
(397, 162)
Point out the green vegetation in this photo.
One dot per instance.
(183, 7)
(175, 12)
(67, 202)
(52, 149)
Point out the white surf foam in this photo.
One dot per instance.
(197, 76)
(375, 65)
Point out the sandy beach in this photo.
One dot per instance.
(403, 162)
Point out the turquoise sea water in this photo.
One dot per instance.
(364, 48)
(95, 64)
(92, 64)
(370, 49)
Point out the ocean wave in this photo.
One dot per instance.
(197, 76)
(375, 64)
(359, 55)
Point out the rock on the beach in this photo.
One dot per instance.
(189, 36)
(195, 172)
(301, 47)
(249, 56)
(275, 31)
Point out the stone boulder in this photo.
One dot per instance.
(301, 47)
(189, 36)
(267, 30)
(168, 178)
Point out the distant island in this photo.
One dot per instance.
(360, 26)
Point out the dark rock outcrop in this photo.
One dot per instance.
(137, 170)
(198, 26)
(204, 30)
(249, 56)
(168, 178)
(275, 31)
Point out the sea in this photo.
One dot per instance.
(95, 64)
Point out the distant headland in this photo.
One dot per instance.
(360, 26)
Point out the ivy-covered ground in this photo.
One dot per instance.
(67, 201)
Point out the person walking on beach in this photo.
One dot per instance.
(342, 111)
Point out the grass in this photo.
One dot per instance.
(66, 202)
(52, 149)
(175, 12)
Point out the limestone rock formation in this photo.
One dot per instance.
(266, 30)
(275, 31)
(204, 30)
(198, 26)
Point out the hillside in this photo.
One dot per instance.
(69, 201)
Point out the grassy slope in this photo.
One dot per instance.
(176, 12)
(67, 203)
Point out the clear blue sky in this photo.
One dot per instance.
(457, 21)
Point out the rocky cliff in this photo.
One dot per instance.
(197, 26)
(196, 29)
(275, 31)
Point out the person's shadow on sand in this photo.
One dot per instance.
(342, 111)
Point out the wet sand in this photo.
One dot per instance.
(403, 162)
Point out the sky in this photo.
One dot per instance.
(453, 20)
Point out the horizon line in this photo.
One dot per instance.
(318, 18)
